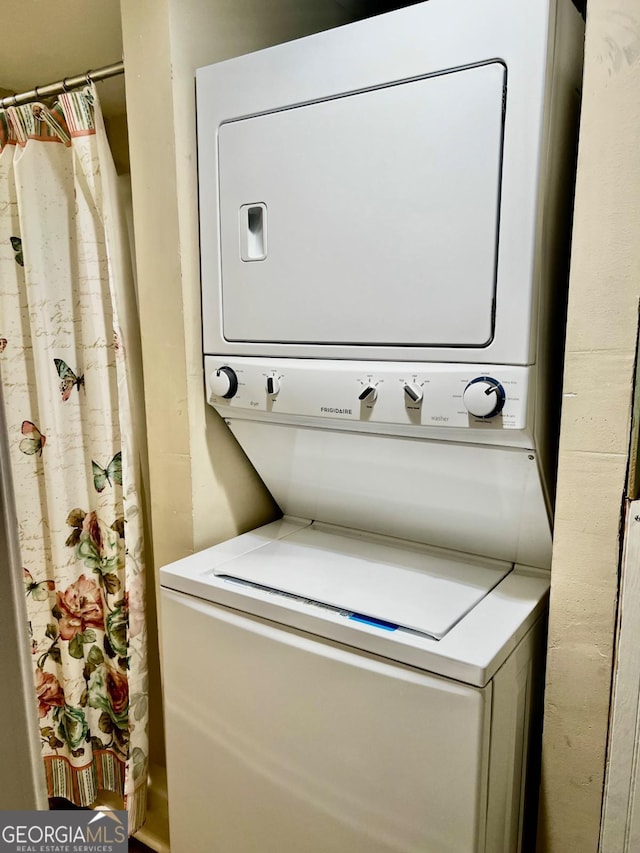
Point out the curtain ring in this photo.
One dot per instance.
(65, 87)
(88, 77)
(36, 93)
(15, 99)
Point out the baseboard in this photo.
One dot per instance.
(155, 831)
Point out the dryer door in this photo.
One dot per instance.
(366, 219)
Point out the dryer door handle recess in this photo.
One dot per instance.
(253, 232)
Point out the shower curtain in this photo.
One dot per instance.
(68, 345)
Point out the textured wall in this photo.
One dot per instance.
(601, 337)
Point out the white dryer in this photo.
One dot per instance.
(382, 214)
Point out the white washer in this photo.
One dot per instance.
(381, 221)
(328, 691)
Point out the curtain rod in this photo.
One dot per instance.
(63, 85)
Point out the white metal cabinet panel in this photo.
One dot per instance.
(515, 732)
(328, 392)
(480, 499)
(291, 743)
(381, 209)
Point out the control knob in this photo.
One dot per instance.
(224, 382)
(413, 392)
(368, 394)
(273, 385)
(484, 397)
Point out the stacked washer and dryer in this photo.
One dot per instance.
(384, 214)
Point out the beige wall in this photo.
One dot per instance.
(116, 127)
(601, 336)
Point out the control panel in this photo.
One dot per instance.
(433, 395)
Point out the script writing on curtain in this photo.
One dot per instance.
(65, 330)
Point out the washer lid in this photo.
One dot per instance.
(372, 578)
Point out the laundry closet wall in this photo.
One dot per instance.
(594, 444)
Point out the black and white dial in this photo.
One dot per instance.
(273, 386)
(368, 394)
(224, 382)
(484, 397)
(413, 393)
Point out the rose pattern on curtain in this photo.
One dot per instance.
(68, 396)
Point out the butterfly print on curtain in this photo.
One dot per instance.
(68, 379)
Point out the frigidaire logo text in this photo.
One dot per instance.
(335, 411)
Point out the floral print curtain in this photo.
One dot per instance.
(66, 327)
